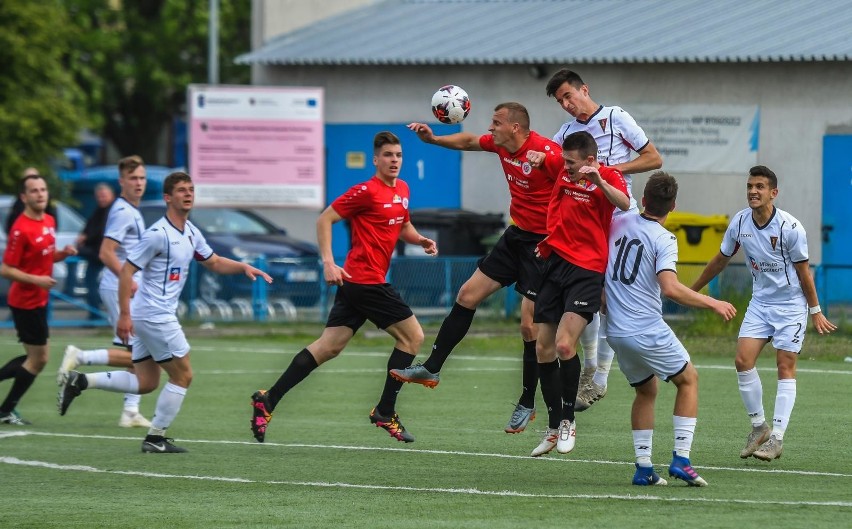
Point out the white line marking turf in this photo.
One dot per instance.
(439, 490)
(551, 460)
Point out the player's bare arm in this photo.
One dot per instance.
(333, 274)
(410, 235)
(460, 141)
(107, 255)
(61, 255)
(673, 289)
(536, 158)
(821, 323)
(649, 159)
(713, 268)
(617, 197)
(16, 274)
(225, 266)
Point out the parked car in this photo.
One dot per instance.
(243, 235)
(69, 224)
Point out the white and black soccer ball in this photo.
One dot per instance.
(450, 104)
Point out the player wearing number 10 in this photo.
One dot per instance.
(642, 259)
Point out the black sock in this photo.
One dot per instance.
(452, 330)
(569, 372)
(387, 403)
(11, 368)
(23, 380)
(300, 367)
(529, 378)
(551, 390)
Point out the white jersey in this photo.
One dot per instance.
(770, 253)
(164, 254)
(639, 249)
(124, 225)
(617, 135)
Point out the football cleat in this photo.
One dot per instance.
(548, 442)
(392, 426)
(261, 416)
(157, 444)
(769, 450)
(758, 436)
(416, 374)
(521, 417)
(645, 476)
(682, 469)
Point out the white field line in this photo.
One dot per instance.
(548, 460)
(438, 490)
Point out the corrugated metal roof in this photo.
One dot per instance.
(410, 32)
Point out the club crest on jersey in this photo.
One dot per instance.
(773, 241)
(602, 123)
(586, 184)
(405, 203)
(174, 273)
(526, 168)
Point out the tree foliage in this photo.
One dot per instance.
(41, 107)
(136, 60)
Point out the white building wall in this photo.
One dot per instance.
(799, 103)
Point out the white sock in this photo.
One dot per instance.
(168, 406)
(751, 391)
(684, 431)
(784, 401)
(131, 402)
(589, 343)
(642, 440)
(118, 381)
(93, 357)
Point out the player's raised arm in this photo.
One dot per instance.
(460, 141)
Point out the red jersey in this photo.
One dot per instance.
(530, 187)
(30, 249)
(579, 218)
(376, 212)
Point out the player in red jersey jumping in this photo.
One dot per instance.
(512, 260)
(378, 212)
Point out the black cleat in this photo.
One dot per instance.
(69, 390)
(157, 444)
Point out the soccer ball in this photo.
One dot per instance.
(450, 104)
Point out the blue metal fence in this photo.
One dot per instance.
(428, 285)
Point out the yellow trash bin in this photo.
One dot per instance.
(698, 236)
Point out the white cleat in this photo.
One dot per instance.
(548, 443)
(70, 361)
(567, 436)
(133, 419)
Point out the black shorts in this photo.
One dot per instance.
(354, 304)
(567, 288)
(513, 260)
(31, 325)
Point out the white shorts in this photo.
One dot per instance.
(784, 324)
(110, 300)
(656, 353)
(160, 341)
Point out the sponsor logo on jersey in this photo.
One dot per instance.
(754, 264)
(397, 199)
(773, 241)
(174, 273)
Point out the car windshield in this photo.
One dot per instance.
(224, 220)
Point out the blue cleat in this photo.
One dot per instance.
(682, 469)
(646, 476)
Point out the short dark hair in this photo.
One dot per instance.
(26, 178)
(174, 179)
(128, 164)
(582, 142)
(561, 77)
(517, 113)
(384, 138)
(660, 193)
(762, 170)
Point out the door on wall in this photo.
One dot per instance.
(836, 228)
(433, 173)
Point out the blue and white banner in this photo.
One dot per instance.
(702, 138)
